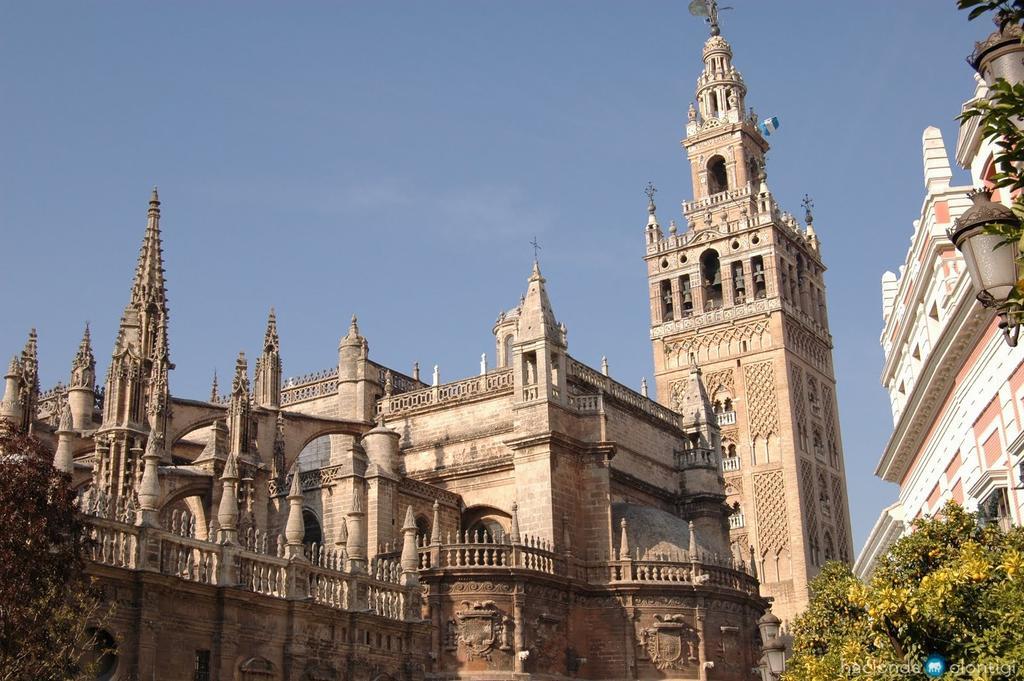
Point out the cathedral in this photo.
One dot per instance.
(538, 520)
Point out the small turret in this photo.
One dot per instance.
(381, 447)
(82, 388)
(539, 350)
(358, 380)
(653, 230)
(10, 407)
(268, 368)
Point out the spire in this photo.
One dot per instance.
(271, 343)
(30, 361)
(149, 285)
(268, 367)
(410, 558)
(227, 511)
(239, 408)
(83, 367)
(240, 383)
(537, 320)
(214, 388)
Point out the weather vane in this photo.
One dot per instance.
(536, 247)
(808, 205)
(650, 190)
(709, 10)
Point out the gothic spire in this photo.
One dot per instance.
(271, 343)
(214, 388)
(537, 319)
(83, 367)
(149, 285)
(240, 383)
(267, 378)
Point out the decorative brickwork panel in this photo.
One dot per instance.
(762, 408)
(839, 511)
(732, 340)
(770, 505)
(808, 501)
(797, 388)
(830, 426)
(724, 378)
(809, 347)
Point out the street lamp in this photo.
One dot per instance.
(992, 265)
(773, 660)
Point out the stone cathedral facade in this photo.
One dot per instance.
(740, 292)
(538, 520)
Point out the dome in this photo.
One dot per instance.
(655, 532)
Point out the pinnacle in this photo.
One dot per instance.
(410, 520)
(154, 197)
(271, 342)
(296, 489)
(230, 468)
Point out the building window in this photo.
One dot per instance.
(739, 285)
(711, 271)
(757, 267)
(314, 535)
(718, 178)
(666, 301)
(507, 351)
(202, 666)
(686, 295)
(995, 508)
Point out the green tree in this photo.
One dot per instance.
(953, 586)
(47, 602)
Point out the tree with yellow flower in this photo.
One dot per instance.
(952, 588)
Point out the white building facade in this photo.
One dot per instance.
(956, 387)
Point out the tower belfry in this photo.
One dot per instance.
(740, 292)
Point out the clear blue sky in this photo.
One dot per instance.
(394, 159)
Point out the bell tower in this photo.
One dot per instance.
(739, 291)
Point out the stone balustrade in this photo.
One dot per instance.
(491, 384)
(727, 418)
(256, 564)
(483, 551)
(620, 393)
(697, 457)
(716, 199)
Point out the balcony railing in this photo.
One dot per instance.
(727, 418)
(253, 564)
(731, 463)
(736, 521)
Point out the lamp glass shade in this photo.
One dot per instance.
(993, 268)
(769, 629)
(776, 659)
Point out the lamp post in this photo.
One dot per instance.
(773, 658)
(991, 263)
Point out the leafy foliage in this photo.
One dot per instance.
(46, 600)
(1007, 11)
(953, 587)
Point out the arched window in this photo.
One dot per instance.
(711, 271)
(314, 535)
(507, 351)
(422, 528)
(718, 178)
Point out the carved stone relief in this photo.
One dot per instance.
(671, 643)
(482, 627)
